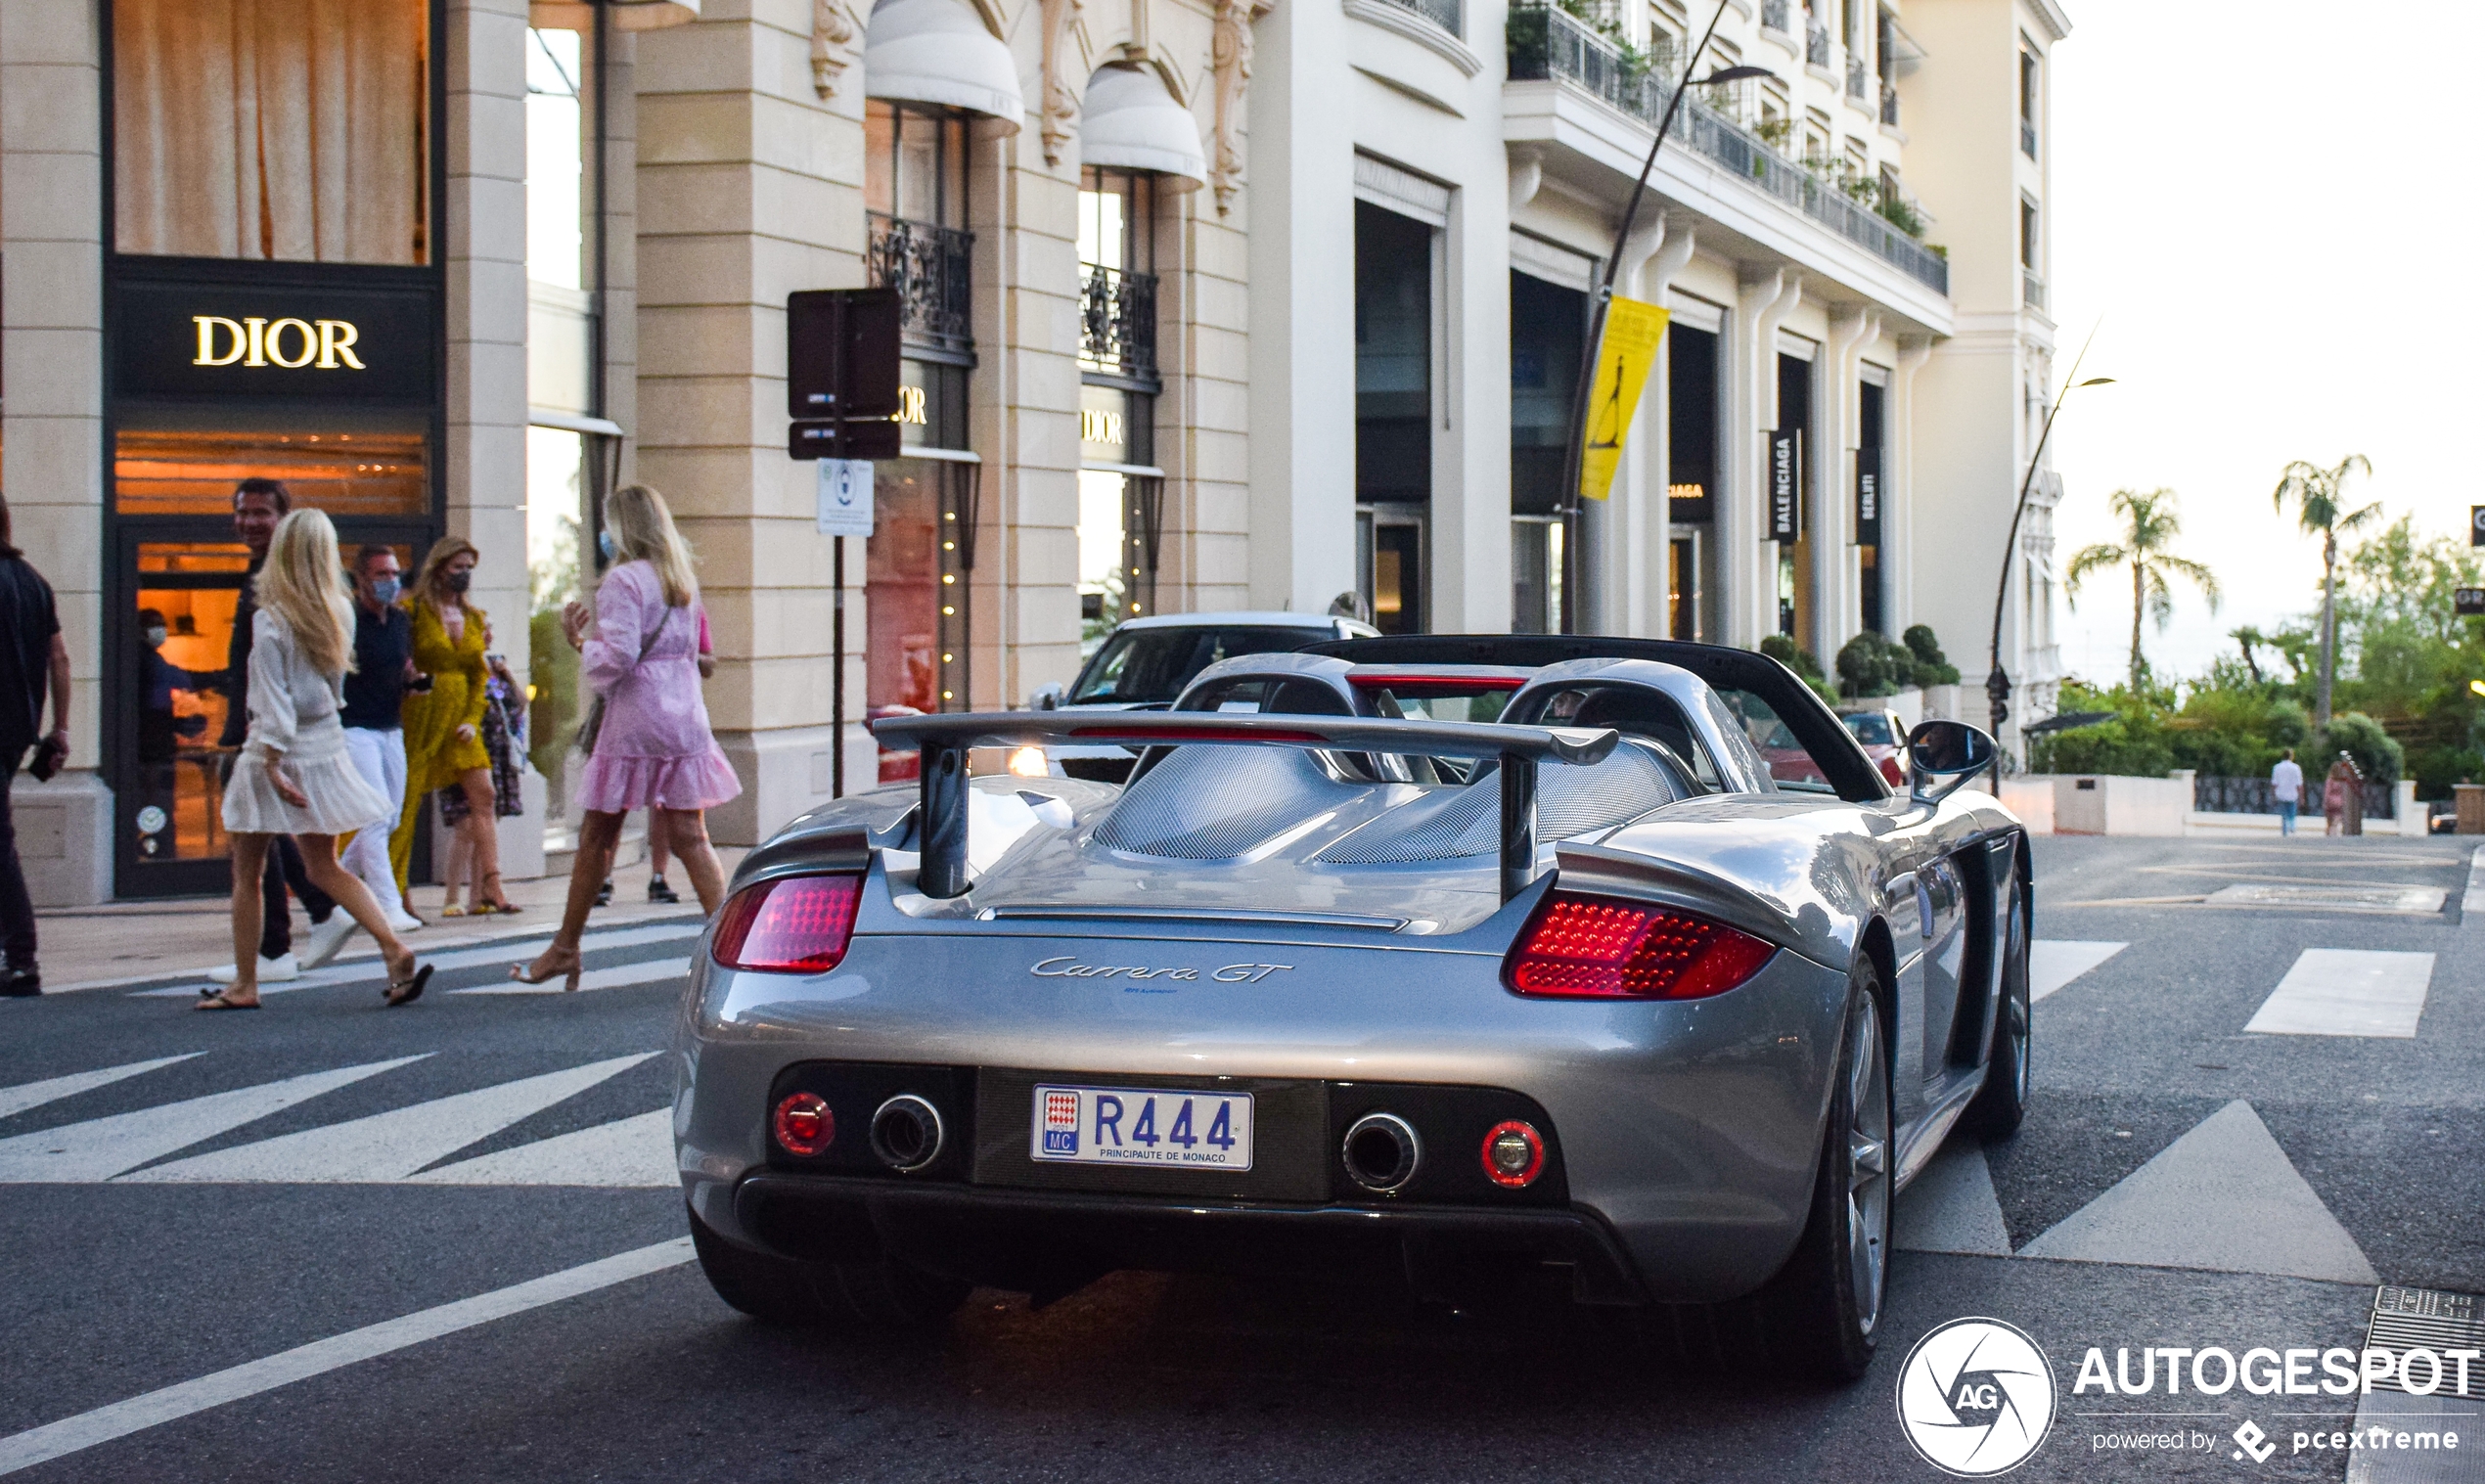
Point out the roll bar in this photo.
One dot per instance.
(943, 740)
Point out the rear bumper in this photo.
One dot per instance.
(1046, 1242)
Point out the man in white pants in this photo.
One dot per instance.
(384, 662)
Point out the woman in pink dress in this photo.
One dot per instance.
(652, 749)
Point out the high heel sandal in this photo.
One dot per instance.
(407, 990)
(554, 960)
(495, 899)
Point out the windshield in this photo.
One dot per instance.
(1151, 666)
(1870, 728)
(1441, 703)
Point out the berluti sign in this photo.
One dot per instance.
(277, 341)
(1868, 497)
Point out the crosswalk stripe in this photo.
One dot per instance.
(1950, 1206)
(16, 1099)
(633, 1152)
(514, 951)
(2348, 992)
(390, 1146)
(103, 1147)
(2056, 962)
(74, 1434)
(2224, 1197)
(620, 977)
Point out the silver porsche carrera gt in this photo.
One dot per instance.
(1458, 960)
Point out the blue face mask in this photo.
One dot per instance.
(385, 590)
(606, 545)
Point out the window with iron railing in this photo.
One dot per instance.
(1118, 288)
(1889, 104)
(2027, 139)
(1772, 15)
(915, 199)
(1816, 46)
(1859, 79)
(1118, 323)
(931, 268)
(1441, 13)
(2031, 288)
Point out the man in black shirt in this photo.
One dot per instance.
(375, 689)
(257, 505)
(32, 659)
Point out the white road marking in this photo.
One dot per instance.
(2402, 901)
(1950, 1207)
(511, 952)
(390, 1146)
(103, 1147)
(2348, 992)
(621, 976)
(2056, 962)
(2472, 901)
(16, 1099)
(85, 1430)
(631, 1153)
(2224, 1198)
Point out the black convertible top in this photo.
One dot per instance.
(1840, 756)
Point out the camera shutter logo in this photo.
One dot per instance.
(1976, 1397)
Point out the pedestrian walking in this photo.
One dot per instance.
(296, 777)
(505, 744)
(2286, 785)
(444, 724)
(258, 506)
(659, 850)
(2342, 799)
(646, 738)
(33, 662)
(375, 699)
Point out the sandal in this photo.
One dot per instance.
(554, 959)
(407, 991)
(499, 902)
(452, 910)
(215, 1000)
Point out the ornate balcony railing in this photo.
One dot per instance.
(2027, 138)
(1118, 323)
(2031, 288)
(1816, 45)
(1857, 79)
(1889, 104)
(1773, 15)
(1546, 43)
(931, 268)
(1444, 14)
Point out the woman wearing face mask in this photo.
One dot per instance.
(443, 726)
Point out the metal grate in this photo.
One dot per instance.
(1441, 13)
(931, 268)
(2257, 795)
(1118, 323)
(1208, 802)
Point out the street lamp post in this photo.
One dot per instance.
(1603, 295)
(1997, 681)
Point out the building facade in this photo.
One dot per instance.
(1208, 305)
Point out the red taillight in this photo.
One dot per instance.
(804, 1124)
(1582, 947)
(796, 924)
(1514, 1154)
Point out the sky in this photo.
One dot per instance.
(2265, 213)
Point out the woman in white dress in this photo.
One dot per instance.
(294, 776)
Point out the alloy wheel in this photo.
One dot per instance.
(1867, 1169)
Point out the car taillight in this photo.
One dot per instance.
(1514, 1154)
(796, 924)
(804, 1124)
(1583, 947)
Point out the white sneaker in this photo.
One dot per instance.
(328, 937)
(277, 970)
(402, 921)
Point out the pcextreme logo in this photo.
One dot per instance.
(1976, 1397)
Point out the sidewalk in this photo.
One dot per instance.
(132, 942)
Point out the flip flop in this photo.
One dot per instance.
(407, 991)
(217, 1000)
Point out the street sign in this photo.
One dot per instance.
(883, 440)
(2468, 601)
(844, 497)
(841, 353)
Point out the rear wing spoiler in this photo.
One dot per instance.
(943, 740)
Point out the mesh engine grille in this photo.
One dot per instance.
(1569, 802)
(1213, 803)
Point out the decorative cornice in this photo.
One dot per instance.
(1391, 17)
(835, 32)
(1059, 104)
(1231, 61)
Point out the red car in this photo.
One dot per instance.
(1884, 740)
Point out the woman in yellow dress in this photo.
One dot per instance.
(443, 726)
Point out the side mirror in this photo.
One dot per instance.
(1047, 697)
(1943, 756)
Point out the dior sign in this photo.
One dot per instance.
(280, 340)
(257, 340)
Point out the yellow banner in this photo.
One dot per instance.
(1633, 333)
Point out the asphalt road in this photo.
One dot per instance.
(154, 1272)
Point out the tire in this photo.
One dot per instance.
(883, 1295)
(2004, 1100)
(1821, 1315)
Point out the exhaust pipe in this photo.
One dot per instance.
(1381, 1152)
(907, 1133)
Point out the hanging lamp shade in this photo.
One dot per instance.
(938, 52)
(1130, 122)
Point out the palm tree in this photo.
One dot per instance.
(2150, 527)
(2316, 494)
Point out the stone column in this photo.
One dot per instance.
(1203, 342)
(1836, 585)
(749, 187)
(51, 362)
(1898, 492)
(1747, 569)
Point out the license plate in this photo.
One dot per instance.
(1142, 1126)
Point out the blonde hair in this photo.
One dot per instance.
(642, 530)
(429, 587)
(303, 584)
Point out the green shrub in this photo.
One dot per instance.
(1931, 667)
(1796, 657)
(1870, 665)
(2435, 769)
(2360, 736)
